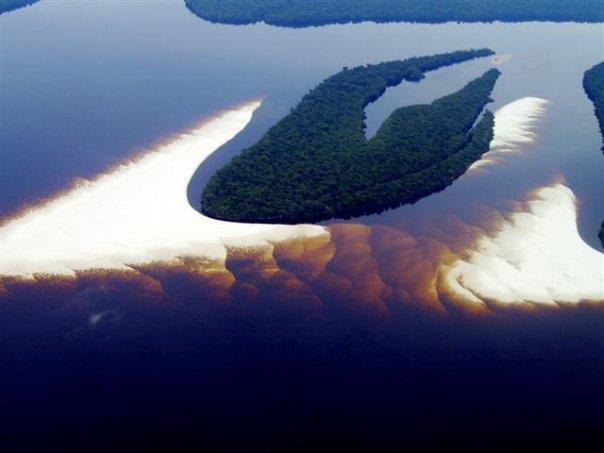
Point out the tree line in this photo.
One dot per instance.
(593, 84)
(303, 13)
(9, 5)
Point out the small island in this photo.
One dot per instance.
(304, 13)
(10, 5)
(593, 84)
(316, 163)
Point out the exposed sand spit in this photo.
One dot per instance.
(136, 213)
(515, 125)
(534, 254)
(136, 224)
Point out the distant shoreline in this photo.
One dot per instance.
(300, 13)
(11, 5)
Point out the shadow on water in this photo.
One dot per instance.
(227, 356)
(262, 119)
(142, 374)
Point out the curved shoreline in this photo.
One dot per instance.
(593, 85)
(136, 213)
(6, 6)
(83, 235)
(316, 164)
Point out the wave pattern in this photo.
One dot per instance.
(129, 239)
(514, 128)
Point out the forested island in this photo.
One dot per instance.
(593, 84)
(303, 13)
(316, 164)
(9, 5)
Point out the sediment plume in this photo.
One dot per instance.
(136, 213)
(533, 256)
(130, 239)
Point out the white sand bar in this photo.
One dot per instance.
(136, 213)
(534, 255)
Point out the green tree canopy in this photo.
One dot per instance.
(316, 164)
(303, 13)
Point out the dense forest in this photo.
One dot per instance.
(9, 5)
(593, 83)
(303, 13)
(316, 164)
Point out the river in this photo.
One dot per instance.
(128, 318)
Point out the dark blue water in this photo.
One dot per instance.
(85, 84)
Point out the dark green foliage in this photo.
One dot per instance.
(316, 164)
(593, 83)
(9, 5)
(302, 13)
